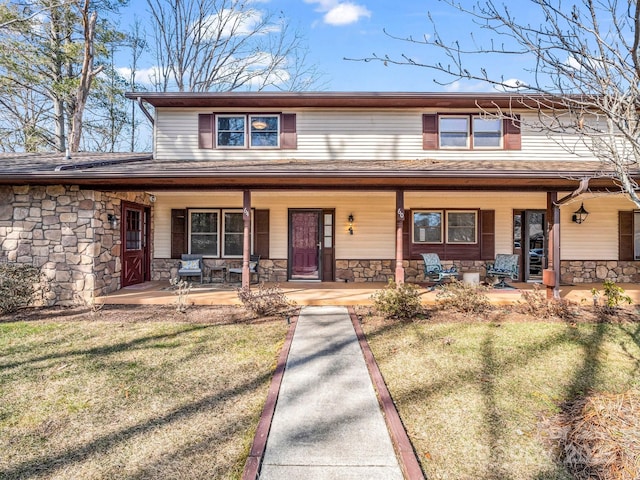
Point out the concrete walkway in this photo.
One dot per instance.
(327, 422)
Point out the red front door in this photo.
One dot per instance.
(304, 244)
(135, 257)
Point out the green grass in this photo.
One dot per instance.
(474, 396)
(94, 399)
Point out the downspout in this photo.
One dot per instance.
(583, 187)
(145, 111)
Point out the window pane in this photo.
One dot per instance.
(204, 222)
(233, 234)
(454, 132)
(427, 227)
(487, 132)
(461, 227)
(454, 124)
(264, 131)
(231, 131)
(203, 236)
(204, 244)
(453, 139)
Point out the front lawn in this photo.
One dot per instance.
(478, 397)
(112, 396)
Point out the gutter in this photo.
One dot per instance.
(145, 111)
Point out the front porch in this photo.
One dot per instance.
(326, 293)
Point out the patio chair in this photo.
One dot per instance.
(434, 271)
(191, 266)
(254, 263)
(505, 265)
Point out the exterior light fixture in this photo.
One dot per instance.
(580, 215)
(113, 220)
(350, 219)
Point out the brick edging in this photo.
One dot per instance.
(254, 461)
(404, 449)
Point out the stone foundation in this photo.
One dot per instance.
(63, 230)
(596, 271)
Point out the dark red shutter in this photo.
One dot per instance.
(625, 235)
(261, 233)
(487, 234)
(407, 243)
(288, 133)
(178, 232)
(205, 130)
(512, 135)
(430, 132)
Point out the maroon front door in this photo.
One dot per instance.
(304, 228)
(135, 255)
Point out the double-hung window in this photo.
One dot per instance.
(440, 226)
(252, 131)
(216, 232)
(487, 132)
(466, 131)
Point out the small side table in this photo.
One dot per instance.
(471, 278)
(221, 276)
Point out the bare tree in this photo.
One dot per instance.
(584, 78)
(223, 45)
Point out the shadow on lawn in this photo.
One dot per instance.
(102, 445)
(108, 349)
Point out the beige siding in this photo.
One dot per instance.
(597, 237)
(374, 214)
(347, 135)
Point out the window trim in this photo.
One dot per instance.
(475, 227)
(500, 145)
(217, 130)
(218, 225)
(247, 132)
(468, 132)
(250, 132)
(444, 225)
(413, 226)
(220, 253)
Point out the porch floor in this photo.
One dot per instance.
(326, 293)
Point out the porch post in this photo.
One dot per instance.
(553, 225)
(246, 247)
(399, 236)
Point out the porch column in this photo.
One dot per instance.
(551, 276)
(246, 247)
(399, 236)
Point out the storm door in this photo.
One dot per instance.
(135, 250)
(530, 243)
(304, 244)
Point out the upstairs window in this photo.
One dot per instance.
(487, 132)
(469, 131)
(230, 131)
(242, 131)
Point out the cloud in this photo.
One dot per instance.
(144, 76)
(340, 13)
(229, 22)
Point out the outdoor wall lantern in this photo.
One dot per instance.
(113, 220)
(580, 215)
(350, 219)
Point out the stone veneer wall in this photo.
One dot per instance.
(583, 271)
(596, 271)
(63, 230)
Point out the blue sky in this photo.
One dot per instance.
(336, 29)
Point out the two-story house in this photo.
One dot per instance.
(329, 187)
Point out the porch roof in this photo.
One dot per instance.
(138, 170)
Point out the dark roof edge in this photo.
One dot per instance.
(341, 99)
